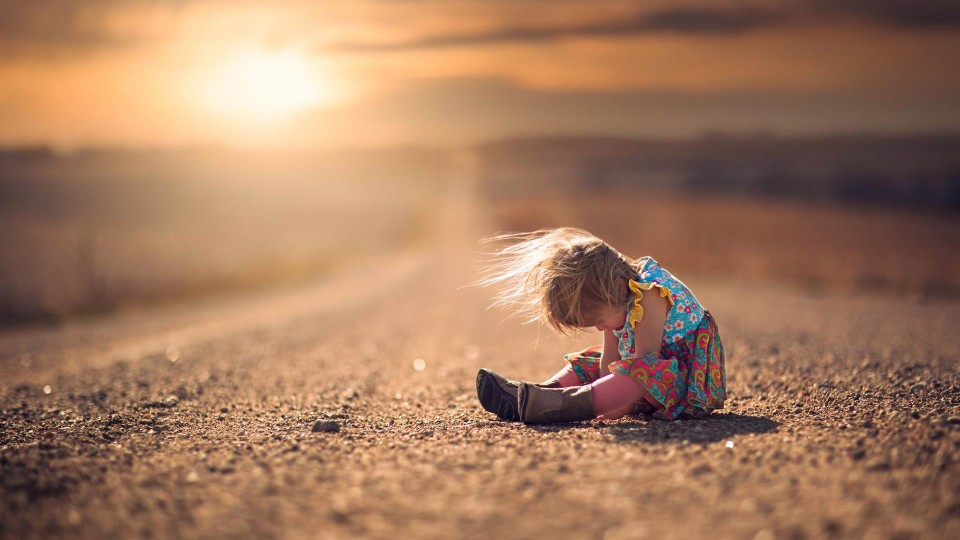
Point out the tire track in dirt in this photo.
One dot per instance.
(83, 344)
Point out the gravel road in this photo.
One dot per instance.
(346, 408)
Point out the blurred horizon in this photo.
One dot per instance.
(302, 75)
(51, 150)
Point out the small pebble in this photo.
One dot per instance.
(326, 426)
(419, 364)
(729, 444)
(47, 389)
(764, 534)
(701, 469)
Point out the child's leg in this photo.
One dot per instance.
(615, 395)
(499, 395)
(582, 367)
(562, 379)
(608, 398)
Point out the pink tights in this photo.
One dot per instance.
(613, 395)
(566, 377)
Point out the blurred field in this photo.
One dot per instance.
(818, 246)
(914, 172)
(867, 213)
(101, 229)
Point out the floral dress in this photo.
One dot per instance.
(686, 377)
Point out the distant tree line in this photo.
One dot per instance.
(916, 171)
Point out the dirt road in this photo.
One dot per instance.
(195, 420)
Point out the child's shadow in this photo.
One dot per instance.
(712, 428)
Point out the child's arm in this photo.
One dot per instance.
(611, 351)
(648, 334)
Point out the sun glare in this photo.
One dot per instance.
(260, 85)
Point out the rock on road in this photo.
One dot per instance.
(197, 420)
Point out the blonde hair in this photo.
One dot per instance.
(557, 275)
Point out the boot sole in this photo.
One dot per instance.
(494, 399)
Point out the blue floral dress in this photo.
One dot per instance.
(686, 377)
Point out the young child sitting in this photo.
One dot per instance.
(661, 351)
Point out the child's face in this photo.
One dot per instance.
(607, 318)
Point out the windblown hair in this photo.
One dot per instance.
(559, 276)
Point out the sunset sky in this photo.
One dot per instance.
(309, 74)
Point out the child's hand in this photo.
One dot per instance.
(618, 414)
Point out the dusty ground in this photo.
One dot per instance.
(194, 420)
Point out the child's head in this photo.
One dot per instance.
(567, 277)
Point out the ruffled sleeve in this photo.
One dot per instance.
(637, 288)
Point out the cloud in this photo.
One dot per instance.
(44, 26)
(677, 20)
(898, 13)
(696, 20)
(471, 110)
(75, 26)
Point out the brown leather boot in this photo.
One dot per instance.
(537, 405)
(499, 395)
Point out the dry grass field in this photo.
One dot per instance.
(90, 233)
(817, 246)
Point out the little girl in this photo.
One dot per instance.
(661, 351)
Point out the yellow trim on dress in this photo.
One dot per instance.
(637, 288)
